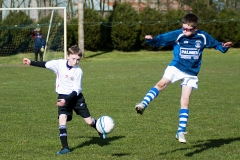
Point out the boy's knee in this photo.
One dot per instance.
(185, 102)
(89, 121)
(62, 119)
(160, 85)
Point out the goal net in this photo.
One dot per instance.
(17, 33)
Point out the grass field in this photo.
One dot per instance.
(113, 83)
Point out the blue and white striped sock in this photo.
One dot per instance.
(183, 118)
(152, 93)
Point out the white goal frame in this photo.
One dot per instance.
(52, 8)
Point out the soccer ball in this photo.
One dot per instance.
(105, 124)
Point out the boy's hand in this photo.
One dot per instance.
(227, 44)
(61, 102)
(26, 61)
(148, 37)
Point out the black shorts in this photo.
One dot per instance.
(77, 104)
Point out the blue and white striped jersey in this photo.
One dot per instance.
(187, 51)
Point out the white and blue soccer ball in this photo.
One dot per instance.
(105, 124)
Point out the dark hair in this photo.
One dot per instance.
(190, 19)
(75, 50)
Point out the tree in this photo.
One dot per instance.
(151, 24)
(125, 34)
(209, 10)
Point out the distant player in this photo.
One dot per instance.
(188, 44)
(69, 89)
(39, 43)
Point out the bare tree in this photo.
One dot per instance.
(92, 2)
(103, 7)
(70, 6)
(80, 25)
(159, 5)
(108, 5)
(16, 3)
(1, 3)
(139, 6)
(100, 5)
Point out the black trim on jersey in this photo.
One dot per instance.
(38, 64)
(69, 67)
(71, 96)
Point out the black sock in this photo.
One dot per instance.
(94, 123)
(63, 136)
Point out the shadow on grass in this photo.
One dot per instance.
(98, 141)
(98, 54)
(120, 154)
(202, 146)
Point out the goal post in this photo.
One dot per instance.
(16, 25)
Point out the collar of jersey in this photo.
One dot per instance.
(69, 67)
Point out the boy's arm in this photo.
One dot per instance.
(33, 33)
(62, 102)
(43, 41)
(165, 39)
(213, 43)
(223, 47)
(38, 64)
(34, 63)
(227, 44)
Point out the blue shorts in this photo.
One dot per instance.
(77, 104)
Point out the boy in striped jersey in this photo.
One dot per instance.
(188, 44)
(69, 90)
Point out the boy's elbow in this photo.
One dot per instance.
(224, 49)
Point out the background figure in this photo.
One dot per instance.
(39, 43)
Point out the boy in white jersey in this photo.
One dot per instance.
(69, 89)
(188, 44)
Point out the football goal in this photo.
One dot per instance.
(17, 27)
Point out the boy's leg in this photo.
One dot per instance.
(183, 114)
(41, 56)
(36, 54)
(92, 122)
(183, 118)
(151, 94)
(82, 110)
(63, 134)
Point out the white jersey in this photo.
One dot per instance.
(67, 80)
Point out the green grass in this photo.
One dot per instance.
(113, 83)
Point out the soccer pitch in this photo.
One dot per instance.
(113, 83)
